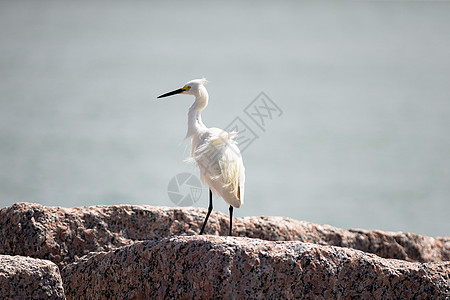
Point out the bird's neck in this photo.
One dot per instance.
(195, 124)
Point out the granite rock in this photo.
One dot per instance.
(62, 235)
(205, 267)
(29, 278)
(398, 245)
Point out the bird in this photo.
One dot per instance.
(215, 151)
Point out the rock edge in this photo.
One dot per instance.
(205, 267)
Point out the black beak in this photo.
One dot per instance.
(171, 93)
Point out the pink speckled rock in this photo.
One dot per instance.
(29, 278)
(62, 235)
(205, 267)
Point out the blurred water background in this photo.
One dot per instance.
(364, 86)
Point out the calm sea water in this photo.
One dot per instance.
(363, 140)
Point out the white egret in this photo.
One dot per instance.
(215, 151)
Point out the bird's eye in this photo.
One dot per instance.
(186, 88)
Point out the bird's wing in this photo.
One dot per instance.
(221, 165)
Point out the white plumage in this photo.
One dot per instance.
(214, 150)
(221, 166)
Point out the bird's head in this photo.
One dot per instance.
(194, 87)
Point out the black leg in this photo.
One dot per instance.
(210, 208)
(231, 218)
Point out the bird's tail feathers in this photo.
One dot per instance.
(217, 153)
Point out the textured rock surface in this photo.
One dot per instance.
(204, 267)
(29, 278)
(62, 235)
